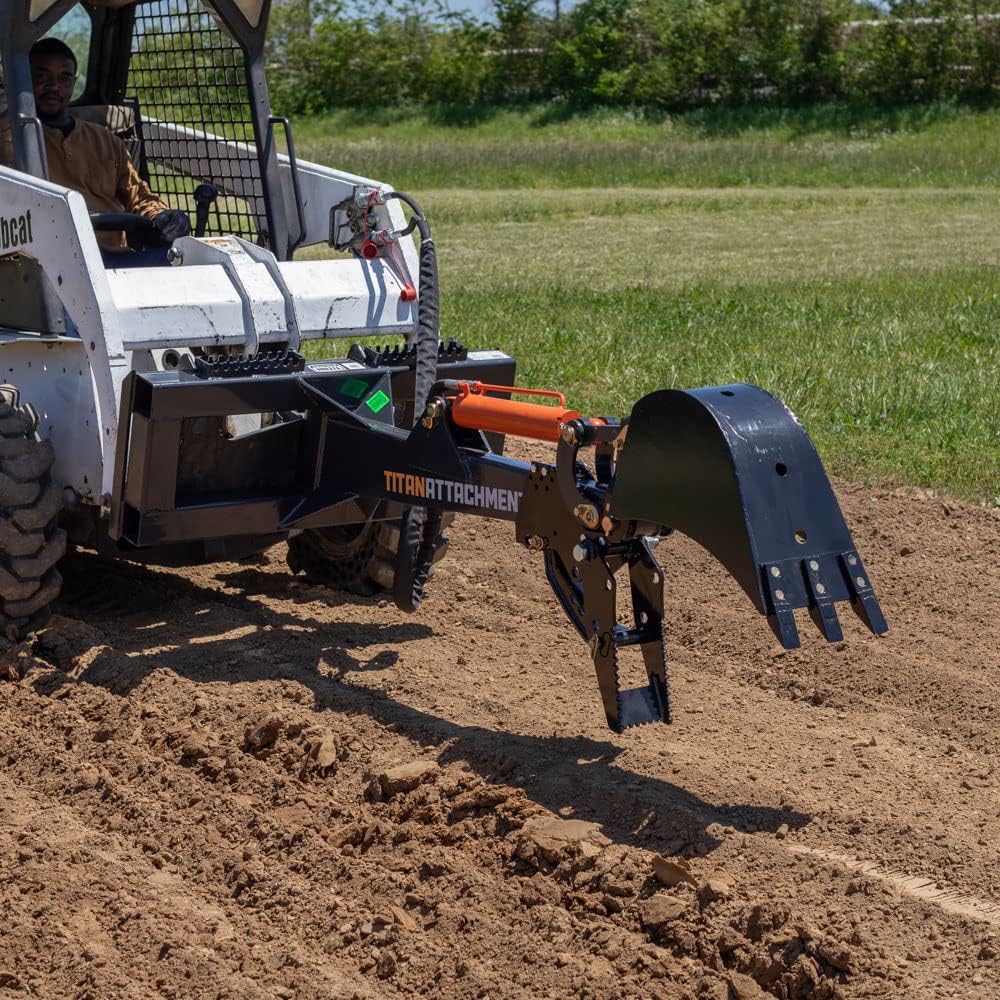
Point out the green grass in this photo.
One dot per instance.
(894, 377)
(672, 238)
(861, 290)
(550, 147)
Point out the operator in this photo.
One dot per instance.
(92, 160)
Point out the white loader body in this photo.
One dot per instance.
(221, 293)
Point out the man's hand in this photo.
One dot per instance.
(172, 225)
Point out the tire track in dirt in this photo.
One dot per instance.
(920, 887)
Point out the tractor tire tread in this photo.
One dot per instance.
(15, 447)
(18, 423)
(40, 513)
(364, 567)
(17, 494)
(31, 542)
(48, 591)
(13, 588)
(16, 544)
(30, 467)
(35, 566)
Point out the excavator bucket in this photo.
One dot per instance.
(731, 467)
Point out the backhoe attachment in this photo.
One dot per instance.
(729, 466)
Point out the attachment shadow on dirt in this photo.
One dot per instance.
(239, 639)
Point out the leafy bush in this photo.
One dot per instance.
(668, 54)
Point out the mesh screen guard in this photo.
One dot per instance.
(186, 70)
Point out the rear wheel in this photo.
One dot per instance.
(31, 543)
(358, 558)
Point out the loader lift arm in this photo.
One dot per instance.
(729, 466)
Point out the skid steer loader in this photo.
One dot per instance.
(170, 414)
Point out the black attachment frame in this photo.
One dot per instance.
(179, 476)
(582, 563)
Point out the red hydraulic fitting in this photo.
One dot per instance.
(369, 250)
(369, 197)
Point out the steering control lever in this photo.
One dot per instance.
(204, 197)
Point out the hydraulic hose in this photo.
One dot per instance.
(420, 530)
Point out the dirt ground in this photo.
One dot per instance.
(224, 782)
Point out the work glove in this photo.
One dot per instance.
(172, 225)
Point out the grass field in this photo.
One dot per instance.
(872, 308)
(547, 147)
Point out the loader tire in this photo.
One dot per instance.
(31, 542)
(357, 558)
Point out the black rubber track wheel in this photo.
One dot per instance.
(31, 543)
(357, 558)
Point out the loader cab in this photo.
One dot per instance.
(181, 82)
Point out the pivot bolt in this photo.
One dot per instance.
(432, 413)
(568, 433)
(588, 514)
(581, 552)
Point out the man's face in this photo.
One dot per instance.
(52, 79)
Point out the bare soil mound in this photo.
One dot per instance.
(223, 782)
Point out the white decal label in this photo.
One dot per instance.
(488, 356)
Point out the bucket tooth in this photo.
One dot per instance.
(822, 608)
(782, 623)
(863, 599)
(781, 618)
(825, 617)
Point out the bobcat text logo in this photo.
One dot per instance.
(428, 488)
(15, 231)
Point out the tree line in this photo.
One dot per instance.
(672, 54)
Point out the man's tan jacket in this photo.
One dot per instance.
(95, 162)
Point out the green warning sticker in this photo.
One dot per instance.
(353, 388)
(377, 401)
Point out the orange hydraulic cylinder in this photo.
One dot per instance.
(473, 409)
